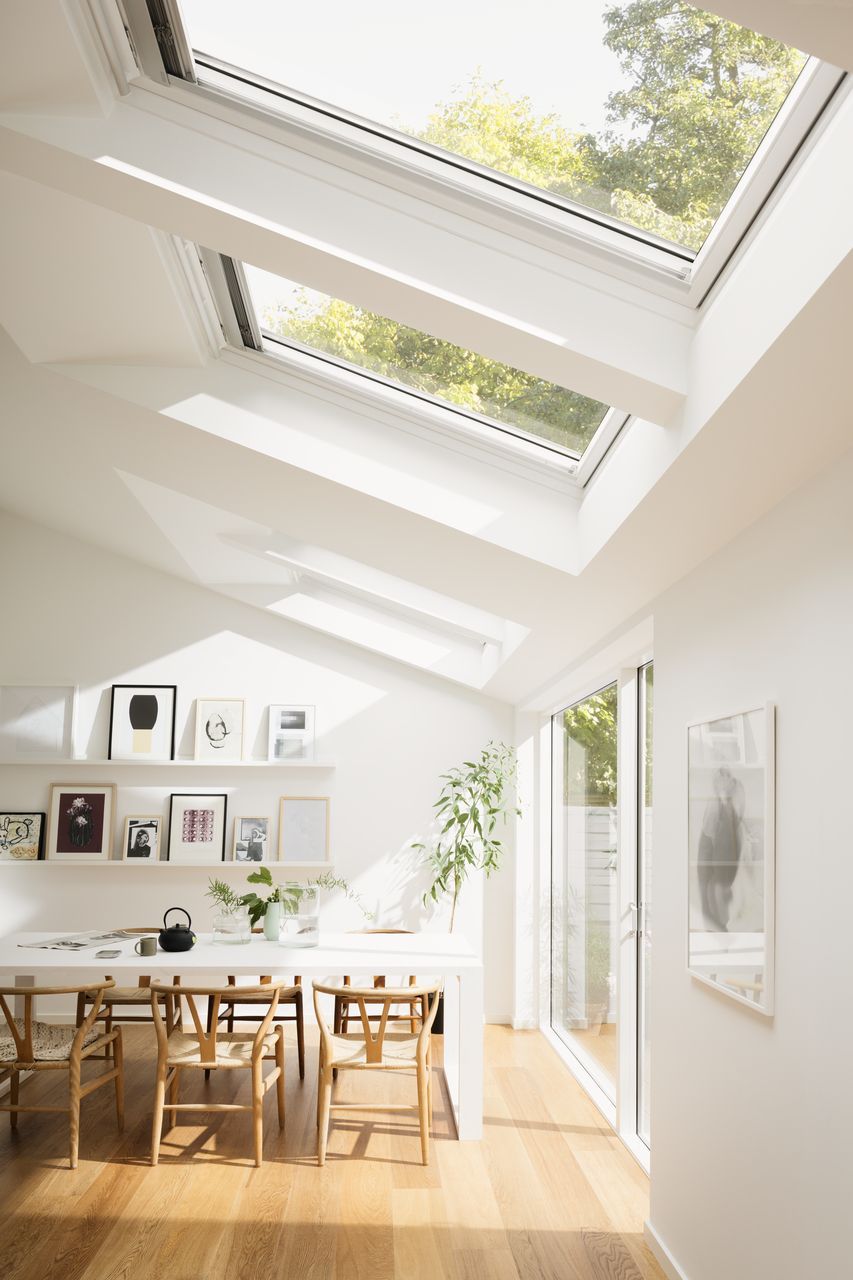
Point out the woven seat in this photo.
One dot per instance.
(128, 995)
(351, 1050)
(50, 1043)
(183, 1050)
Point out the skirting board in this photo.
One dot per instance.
(662, 1253)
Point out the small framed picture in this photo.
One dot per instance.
(197, 827)
(291, 732)
(21, 837)
(142, 836)
(142, 722)
(219, 729)
(252, 839)
(37, 721)
(303, 832)
(80, 826)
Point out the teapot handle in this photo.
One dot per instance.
(182, 909)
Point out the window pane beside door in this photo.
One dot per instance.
(644, 874)
(584, 922)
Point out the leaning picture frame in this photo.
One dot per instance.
(142, 838)
(731, 855)
(37, 722)
(219, 724)
(80, 822)
(142, 722)
(197, 827)
(304, 830)
(22, 835)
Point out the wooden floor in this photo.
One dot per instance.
(548, 1193)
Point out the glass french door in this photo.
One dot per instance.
(600, 881)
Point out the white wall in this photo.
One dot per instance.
(752, 1118)
(74, 614)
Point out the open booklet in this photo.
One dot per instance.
(79, 941)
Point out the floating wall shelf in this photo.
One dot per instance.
(172, 764)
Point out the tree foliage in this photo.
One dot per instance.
(590, 756)
(701, 94)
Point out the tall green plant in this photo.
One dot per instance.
(476, 796)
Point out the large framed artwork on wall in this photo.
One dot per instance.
(197, 827)
(142, 722)
(80, 826)
(731, 854)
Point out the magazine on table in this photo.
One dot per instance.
(80, 941)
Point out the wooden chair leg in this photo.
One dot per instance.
(300, 1034)
(324, 1087)
(258, 1111)
(159, 1100)
(81, 1008)
(429, 1090)
(174, 1097)
(338, 1007)
(423, 1112)
(14, 1085)
(118, 1055)
(209, 1028)
(279, 1084)
(74, 1107)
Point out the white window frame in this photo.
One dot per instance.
(637, 256)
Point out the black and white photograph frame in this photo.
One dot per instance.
(142, 722)
(22, 835)
(80, 821)
(197, 827)
(304, 830)
(142, 838)
(252, 840)
(731, 855)
(291, 732)
(219, 725)
(37, 722)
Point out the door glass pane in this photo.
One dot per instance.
(585, 917)
(644, 874)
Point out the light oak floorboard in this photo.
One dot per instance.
(549, 1194)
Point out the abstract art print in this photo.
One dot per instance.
(303, 833)
(37, 721)
(197, 827)
(142, 836)
(291, 732)
(22, 836)
(252, 839)
(219, 729)
(80, 826)
(142, 722)
(731, 854)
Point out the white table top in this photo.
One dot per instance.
(438, 954)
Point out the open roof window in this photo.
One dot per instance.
(278, 314)
(641, 116)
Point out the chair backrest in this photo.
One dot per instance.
(207, 1038)
(385, 997)
(24, 1039)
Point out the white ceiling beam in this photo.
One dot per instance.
(250, 198)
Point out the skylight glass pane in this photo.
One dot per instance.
(648, 111)
(405, 356)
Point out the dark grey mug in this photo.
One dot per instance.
(146, 947)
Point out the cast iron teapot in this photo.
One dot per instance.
(177, 937)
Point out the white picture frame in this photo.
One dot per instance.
(142, 722)
(304, 830)
(197, 827)
(219, 724)
(37, 722)
(731, 855)
(80, 822)
(290, 733)
(252, 840)
(142, 838)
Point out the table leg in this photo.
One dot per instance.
(463, 1051)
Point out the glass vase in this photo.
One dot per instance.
(300, 916)
(232, 928)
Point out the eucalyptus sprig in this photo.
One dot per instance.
(475, 797)
(223, 895)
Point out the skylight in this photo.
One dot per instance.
(434, 369)
(644, 113)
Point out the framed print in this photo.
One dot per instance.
(731, 856)
(303, 830)
(219, 729)
(142, 722)
(252, 839)
(37, 721)
(197, 827)
(22, 836)
(291, 732)
(80, 826)
(142, 838)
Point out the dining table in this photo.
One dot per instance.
(442, 956)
